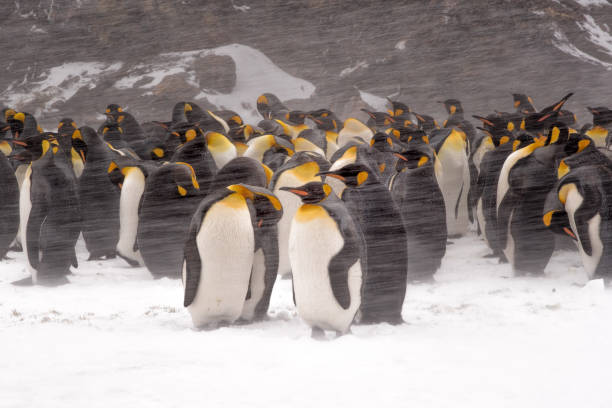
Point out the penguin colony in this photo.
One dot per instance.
(352, 211)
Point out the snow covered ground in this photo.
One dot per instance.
(476, 338)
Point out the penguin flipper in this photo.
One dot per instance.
(586, 211)
(38, 214)
(193, 265)
(339, 267)
(504, 211)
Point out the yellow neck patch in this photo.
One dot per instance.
(306, 172)
(362, 176)
(235, 200)
(310, 212)
(422, 161)
(565, 190)
(563, 169)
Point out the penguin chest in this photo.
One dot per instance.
(131, 192)
(591, 262)
(226, 245)
(290, 203)
(455, 184)
(314, 241)
(25, 207)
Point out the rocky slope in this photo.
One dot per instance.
(75, 56)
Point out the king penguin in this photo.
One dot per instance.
(49, 216)
(219, 252)
(325, 250)
(371, 206)
(99, 198)
(170, 198)
(302, 168)
(9, 200)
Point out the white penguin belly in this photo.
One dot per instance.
(481, 219)
(223, 157)
(226, 244)
(311, 246)
(20, 175)
(129, 201)
(25, 206)
(257, 285)
(509, 250)
(290, 203)
(573, 202)
(455, 185)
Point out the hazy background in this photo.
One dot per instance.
(477, 51)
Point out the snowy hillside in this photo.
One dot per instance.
(475, 338)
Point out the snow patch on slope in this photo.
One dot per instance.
(57, 84)
(593, 3)
(599, 36)
(255, 74)
(378, 103)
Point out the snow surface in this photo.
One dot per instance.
(475, 338)
(591, 3)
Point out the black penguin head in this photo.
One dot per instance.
(325, 120)
(412, 159)
(7, 114)
(521, 140)
(295, 117)
(382, 142)
(602, 116)
(111, 132)
(270, 127)
(558, 133)
(268, 208)
(537, 123)
(452, 106)
(184, 178)
(36, 146)
(269, 106)
(353, 175)
(112, 111)
(378, 120)
(567, 117)
(311, 193)
(398, 108)
(241, 134)
(89, 136)
(577, 143)
(523, 103)
(426, 123)
(66, 127)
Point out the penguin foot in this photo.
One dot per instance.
(490, 256)
(54, 281)
(317, 334)
(449, 242)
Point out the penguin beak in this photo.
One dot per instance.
(399, 156)
(331, 174)
(295, 191)
(19, 143)
(320, 122)
(369, 113)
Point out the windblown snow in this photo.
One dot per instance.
(475, 338)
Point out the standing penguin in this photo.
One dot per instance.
(455, 182)
(49, 216)
(416, 192)
(130, 175)
(266, 211)
(99, 198)
(219, 253)
(9, 201)
(171, 196)
(585, 195)
(385, 271)
(325, 249)
(302, 168)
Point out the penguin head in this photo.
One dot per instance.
(311, 193)
(452, 106)
(269, 106)
(577, 143)
(112, 111)
(8, 114)
(66, 127)
(325, 120)
(89, 136)
(398, 108)
(523, 103)
(353, 175)
(295, 117)
(558, 133)
(521, 140)
(241, 134)
(111, 132)
(378, 120)
(412, 159)
(537, 123)
(184, 178)
(271, 127)
(410, 136)
(602, 116)
(382, 142)
(268, 208)
(567, 117)
(37, 146)
(556, 107)
(426, 123)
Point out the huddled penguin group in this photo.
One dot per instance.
(351, 211)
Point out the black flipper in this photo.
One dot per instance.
(587, 210)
